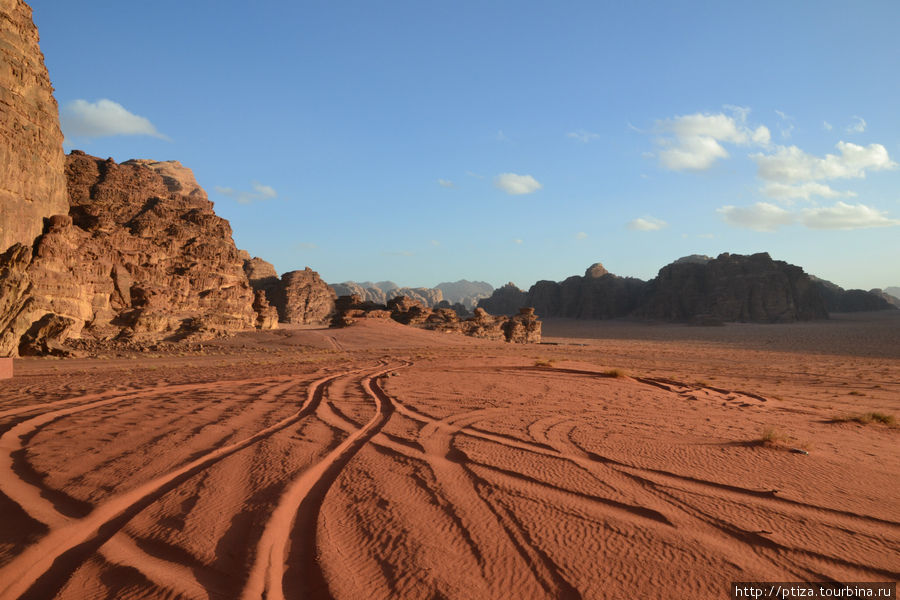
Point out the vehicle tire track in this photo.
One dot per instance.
(44, 566)
(298, 510)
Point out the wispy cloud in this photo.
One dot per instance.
(446, 183)
(785, 192)
(259, 192)
(398, 253)
(581, 235)
(790, 164)
(583, 136)
(695, 142)
(787, 124)
(514, 184)
(646, 224)
(827, 126)
(762, 216)
(103, 118)
(518, 241)
(857, 126)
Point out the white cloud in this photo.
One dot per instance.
(435, 243)
(845, 216)
(518, 241)
(694, 142)
(581, 235)
(516, 184)
(446, 183)
(583, 136)
(762, 216)
(857, 126)
(790, 164)
(260, 192)
(827, 126)
(646, 224)
(786, 192)
(103, 118)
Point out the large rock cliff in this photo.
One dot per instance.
(32, 184)
(141, 254)
(597, 295)
(733, 287)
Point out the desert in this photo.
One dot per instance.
(376, 460)
(251, 345)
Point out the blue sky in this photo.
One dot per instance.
(432, 141)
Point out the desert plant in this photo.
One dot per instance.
(866, 418)
(614, 373)
(544, 362)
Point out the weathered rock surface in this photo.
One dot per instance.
(597, 295)
(887, 297)
(141, 254)
(733, 287)
(383, 291)
(32, 183)
(523, 328)
(837, 299)
(302, 297)
(505, 300)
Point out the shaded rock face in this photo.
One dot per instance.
(302, 297)
(32, 181)
(733, 287)
(889, 298)
(837, 299)
(506, 300)
(597, 295)
(523, 328)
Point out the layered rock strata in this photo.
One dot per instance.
(32, 182)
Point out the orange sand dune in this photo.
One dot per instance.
(378, 461)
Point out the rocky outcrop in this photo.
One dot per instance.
(733, 287)
(32, 181)
(383, 291)
(304, 298)
(889, 298)
(505, 300)
(523, 328)
(597, 295)
(837, 299)
(141, 254)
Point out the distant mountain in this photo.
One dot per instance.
(893, 291)
(837, 299)
(465, 292)
(381, 292)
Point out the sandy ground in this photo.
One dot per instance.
(618, 460)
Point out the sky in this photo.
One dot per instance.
(425, 141)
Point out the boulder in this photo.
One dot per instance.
(304, 298)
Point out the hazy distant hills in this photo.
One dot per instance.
(464, 292)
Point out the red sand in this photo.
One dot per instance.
(380, 461)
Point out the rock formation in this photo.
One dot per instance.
(32, 183)
(523, 328)
(837, 299)
(887, 297)
(141, 254)
(383, 291)
(732, 287)
(597, 295)
(505, 300)
(304, 298)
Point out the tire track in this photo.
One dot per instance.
(44, 566)
(297, 512)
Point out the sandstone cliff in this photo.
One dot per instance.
(597, 295)
(140, 255)
(304, 298)
(505, 300)
(383, 291)
(732, 287)
(837, 299)
(32, 183)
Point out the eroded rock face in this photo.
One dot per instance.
(733, 287)
(141, 254)
(597, 295)
(304, 298)
(383, 291)
(523, 328)
(32, 181)
(506, 300)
